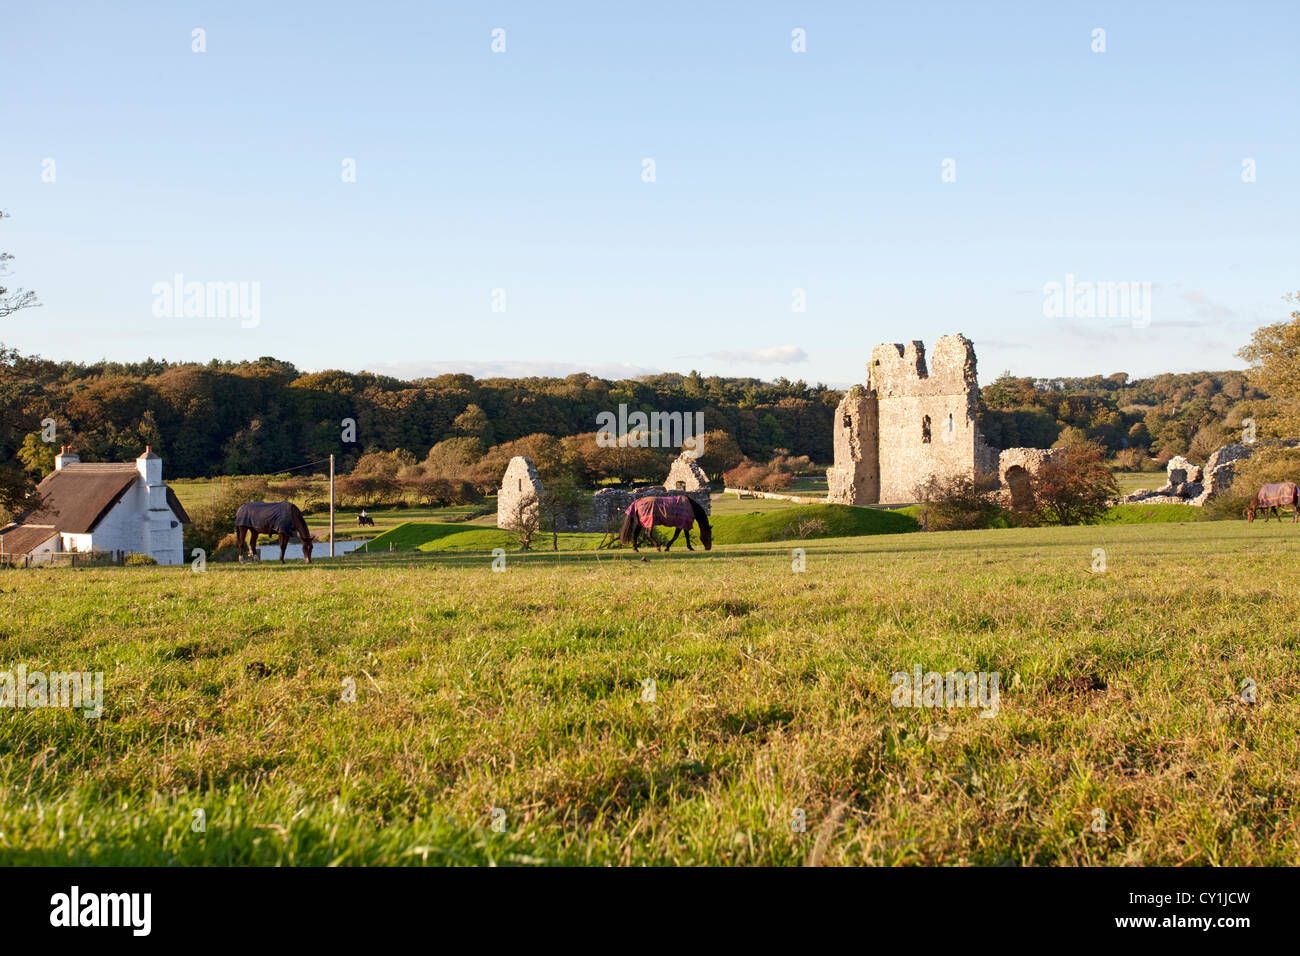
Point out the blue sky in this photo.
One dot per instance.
(774, 171)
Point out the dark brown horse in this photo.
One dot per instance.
(674, 511)
(1269, 498)
(278, 518)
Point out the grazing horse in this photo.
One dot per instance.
(280, 518)
(674, 511)
(1284, 494)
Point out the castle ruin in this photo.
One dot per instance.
(909, 423)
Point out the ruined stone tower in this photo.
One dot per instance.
(909, 423)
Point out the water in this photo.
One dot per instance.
(320, 549)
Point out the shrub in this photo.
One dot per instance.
(1075, 486)
(958, 503)
(1131, 459)
(808, 528)
(211, 522)
(796, 465)
(751, 475)
(135, 558)
(437, 492)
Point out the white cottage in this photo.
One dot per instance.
(101, 507)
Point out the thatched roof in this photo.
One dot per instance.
(74, 499)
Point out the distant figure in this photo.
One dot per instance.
(364, 519)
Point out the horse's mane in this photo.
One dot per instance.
(700, 514)
(299, 523)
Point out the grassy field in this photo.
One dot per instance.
(516, 698)
(786, 523)
(1130, 481)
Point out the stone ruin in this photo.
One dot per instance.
(520, 491)
(1189, 484)
(909, 423)
(1018, 469)
(607, 506)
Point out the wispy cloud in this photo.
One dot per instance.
(776, 355)
(1207, 309)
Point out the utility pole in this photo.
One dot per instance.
(331, 506)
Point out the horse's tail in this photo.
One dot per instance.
(628, 528)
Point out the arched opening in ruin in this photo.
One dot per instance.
(1021, 486)
(925, 430)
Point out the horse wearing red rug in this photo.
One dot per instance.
(1284, 494)
(670, 511)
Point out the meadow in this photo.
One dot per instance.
(508, 717)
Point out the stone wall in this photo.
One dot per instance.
(1017, 471)
(520, 485)
(854, 479)
(911, 422)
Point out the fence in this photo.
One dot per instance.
(63, 559)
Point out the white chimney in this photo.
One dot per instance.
(149, 466)
(66, 456)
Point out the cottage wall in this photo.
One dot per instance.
(130, 525)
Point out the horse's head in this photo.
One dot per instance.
(1250, 513)
(706, 535)
(306, 548)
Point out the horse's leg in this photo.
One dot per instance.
(674, 538)
(284, 543)
(636, 537)
(239, 544)
(688, 540)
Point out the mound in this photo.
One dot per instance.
(808, 521)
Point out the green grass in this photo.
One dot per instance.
(722, 504)
(767, 524)
(522, 690)
(433, 537)
(1147, 514)
(1130, 481)
(783, 524)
